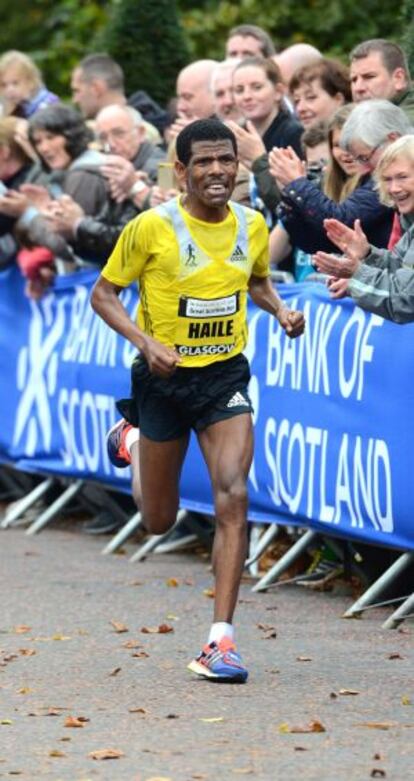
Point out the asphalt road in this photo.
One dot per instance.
(64, 662)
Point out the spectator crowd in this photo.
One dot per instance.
(326, 154)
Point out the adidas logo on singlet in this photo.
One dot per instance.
(238, 400)
(238, 255)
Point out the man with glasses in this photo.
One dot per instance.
(132, 162)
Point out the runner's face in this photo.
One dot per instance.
(211, 173)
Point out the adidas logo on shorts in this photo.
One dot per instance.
(238, 400)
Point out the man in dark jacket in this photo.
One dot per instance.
(379, 70)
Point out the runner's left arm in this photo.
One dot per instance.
(264, 295)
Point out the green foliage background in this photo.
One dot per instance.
(59, 32)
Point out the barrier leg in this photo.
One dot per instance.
(259, 545)
(369, 596)
(404, 611)
(120, 537)
(55, 507)
(155, 539)
(198, 528)
(27, 501)
(285, 562)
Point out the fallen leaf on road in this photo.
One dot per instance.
(405, 700)
(75, 721)
(265, 627)
(349, 692)
(60, 637)
(245, 771)
(172, 617)
(377, 724)
(132, 644)
(115, 672)
(313, 726)
(140, 655)
(376, 772)
(172, 716)
(6, 722)
(303, 658)
(395, 656)
(27, 651)
(56, 753)
(172, 582)
(25, 690)
(213, 720)
(377, 757)
(301, 748)
(55, 711)
(159, 778)
(209, 592)
(162, 629)
(21, 629)
(270, 636)
(189, 582)
(333, 696)
(136, 583)
(106, 753)
(119, 627)
(137, 710)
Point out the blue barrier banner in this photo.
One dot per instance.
(334, 431)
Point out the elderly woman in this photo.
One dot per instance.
(380, 280)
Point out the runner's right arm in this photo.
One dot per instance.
(105, 301)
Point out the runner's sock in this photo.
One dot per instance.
(131, 437)
(219, 630)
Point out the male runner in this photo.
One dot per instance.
(195, 258)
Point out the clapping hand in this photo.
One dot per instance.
(351, 241)
(285, 165)
(249, 143)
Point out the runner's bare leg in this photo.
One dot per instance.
(160, 465)
(227, 447)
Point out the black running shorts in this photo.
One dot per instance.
(192, 398)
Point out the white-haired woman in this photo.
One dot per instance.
(380, 280)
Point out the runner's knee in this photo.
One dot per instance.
(158, 521)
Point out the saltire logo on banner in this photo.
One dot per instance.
(332, 410)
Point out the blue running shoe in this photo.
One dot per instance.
(115, 444)
(220, 662)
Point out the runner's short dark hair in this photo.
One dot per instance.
(202, 130)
